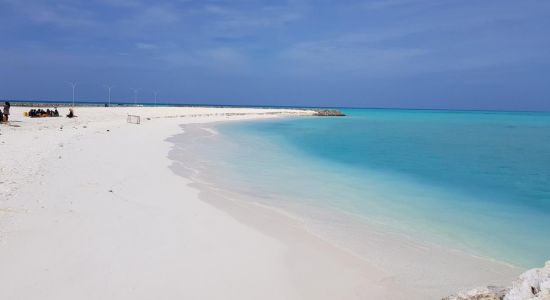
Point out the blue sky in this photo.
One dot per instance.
(393, 53)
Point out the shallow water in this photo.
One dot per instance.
(475, 181)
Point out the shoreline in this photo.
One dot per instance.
(93, 209)
(450, 269)
(109, 220)
(286, 159)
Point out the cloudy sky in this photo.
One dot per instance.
(474, 54)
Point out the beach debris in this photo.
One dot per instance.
(111, 191)
(531, 285)
(329, 113)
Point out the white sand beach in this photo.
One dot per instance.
(90, 209)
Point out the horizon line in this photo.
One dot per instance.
(131, 103)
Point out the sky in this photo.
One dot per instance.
(459, 54)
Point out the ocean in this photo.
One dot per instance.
(474, 181)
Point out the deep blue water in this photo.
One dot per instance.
(475, 180)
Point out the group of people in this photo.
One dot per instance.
(5, 114)
(33, 113)
(40, 113)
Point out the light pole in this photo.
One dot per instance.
(109, 87)
(156, 93)
(73, 84)
(135, 95)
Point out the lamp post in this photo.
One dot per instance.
(135, 95)
(109, 87)
(73, 85)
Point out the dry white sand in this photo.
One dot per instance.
(89, 209)
(87, 213)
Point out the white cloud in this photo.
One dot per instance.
(61, 15)
(228, 20)
(350, 53)
(222, 59)
(123, 3)
(146, 46)
(386, 4)
(225, 56)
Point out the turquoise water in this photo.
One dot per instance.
(474, 180)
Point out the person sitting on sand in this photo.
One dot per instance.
(55, 113)
(6, 111)
(71, 113)
(1, 116)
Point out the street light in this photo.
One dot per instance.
(156, 93)
(73, 84)
(109, 87)
(135, 95)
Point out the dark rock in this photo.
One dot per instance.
(329, 113)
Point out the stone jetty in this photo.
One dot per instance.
(328, 113)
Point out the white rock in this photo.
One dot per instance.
(532, 285)
(485, 293)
